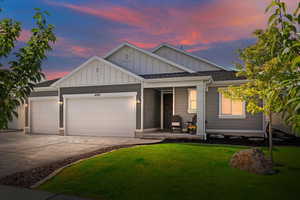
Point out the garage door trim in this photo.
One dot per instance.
(92, 95)
(46, 98)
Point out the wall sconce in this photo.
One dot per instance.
(138, 101)
(60, 103)
(26, 105)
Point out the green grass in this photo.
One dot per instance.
(177, 171)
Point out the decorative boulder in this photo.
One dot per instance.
(251, 160)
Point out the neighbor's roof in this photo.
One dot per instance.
(219, 75)
(47, 83)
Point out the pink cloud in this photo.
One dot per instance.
(55, 74)
(193, 49)
(25, 35)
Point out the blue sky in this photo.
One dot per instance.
(213, 29)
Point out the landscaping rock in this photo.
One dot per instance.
(251, 160)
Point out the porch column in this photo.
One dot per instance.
(201, 89)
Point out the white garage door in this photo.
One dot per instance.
(44, 115)
(101, 116)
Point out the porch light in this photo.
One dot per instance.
(138, 101)
(60, 102)
(26, 105)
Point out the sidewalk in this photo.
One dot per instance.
(13, 193)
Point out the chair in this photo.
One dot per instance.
(176, 123)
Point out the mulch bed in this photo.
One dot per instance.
(30, 177)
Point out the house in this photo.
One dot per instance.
(131, 90)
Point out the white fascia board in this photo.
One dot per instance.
(227, 83)
(149, 54)
(100, 95)
(189, 54)
(43, 98)
(180, 79)
(101, 60)
(40, 89)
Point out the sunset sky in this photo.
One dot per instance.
(213, 29)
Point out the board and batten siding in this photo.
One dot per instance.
(98, 73)
(151, 108)
(140, 63)
(185, 60)
(252, 122)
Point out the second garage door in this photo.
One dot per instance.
(101, 116)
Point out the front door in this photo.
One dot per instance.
(168, 110)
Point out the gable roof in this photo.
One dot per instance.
(101, 60)
(149, 54)
(218, 75)
(46, 83)
(188, 54)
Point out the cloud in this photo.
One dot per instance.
(25, 35)
(55, 74)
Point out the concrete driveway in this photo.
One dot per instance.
(19, 152)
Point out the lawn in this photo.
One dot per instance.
(177, 171)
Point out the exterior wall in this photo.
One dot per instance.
(181, 104)
(252, 122)
(103, 89)
(151, 108)
(98, 73)
(18, 122)
(278, 123)
(140, 63)
(185, 60)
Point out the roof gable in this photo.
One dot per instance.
(186, 59)
(97, 71)
(141, 61)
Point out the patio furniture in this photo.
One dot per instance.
(176, 123)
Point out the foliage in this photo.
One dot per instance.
(272, 67)
(18, 79)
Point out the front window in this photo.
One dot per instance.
(231, 108)
(192, 101)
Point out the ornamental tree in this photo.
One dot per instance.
(24, 70)
(271, 67)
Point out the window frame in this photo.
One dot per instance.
(190, 110)
(231, 116)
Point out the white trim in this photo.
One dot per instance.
(233, 131)
(180, 79)
(65, 116)
(142, 106)
(222, 116)
(190, 55)
(173, 98)
(39, 89)
(100, 60)
(227, 83)
(100, 95)
(191, 111)
(173, 82)
(162, 110)
(201, 98)
(149, 54)
(30, 99)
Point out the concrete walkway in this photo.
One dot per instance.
(13, 193)
(19, 152)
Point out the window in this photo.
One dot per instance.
(192, 101)
(229, 108)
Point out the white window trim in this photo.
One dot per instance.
(190, 110)
(222, 116)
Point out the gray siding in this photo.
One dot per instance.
(44, 94)
(181, 104)
(151, 108)
(104, 89)
(252, 122)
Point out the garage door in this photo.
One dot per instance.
(44, 115)
(101, 116)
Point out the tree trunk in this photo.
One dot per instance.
(270, 137)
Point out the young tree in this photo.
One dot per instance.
(18, 79)
(272, 70)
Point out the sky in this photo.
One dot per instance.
(212, 29)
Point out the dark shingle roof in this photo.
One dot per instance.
(47, 83)
(219, 75)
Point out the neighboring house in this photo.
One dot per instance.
(132, 90)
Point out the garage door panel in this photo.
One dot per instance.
(113, 116)
(44, 116)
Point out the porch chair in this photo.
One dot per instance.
(176, 123)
